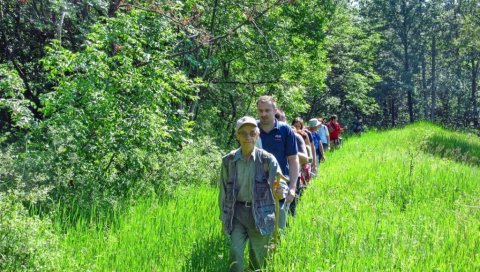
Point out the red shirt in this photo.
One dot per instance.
(335, 133)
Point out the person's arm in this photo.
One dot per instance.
(314, 155)
(328, 136)
(308, 149)
(293, 171)
(291, 152)
(322, 152)
(221, 195)
(307, 139)
(302, 150)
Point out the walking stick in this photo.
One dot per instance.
(277, 208)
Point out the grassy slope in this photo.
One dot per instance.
(391, 201)
(397, 200)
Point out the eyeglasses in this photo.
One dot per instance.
(245, 134)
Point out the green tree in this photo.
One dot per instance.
(114, 110)
(26, 26)
(352, 77)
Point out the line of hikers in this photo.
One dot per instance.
(254, 177)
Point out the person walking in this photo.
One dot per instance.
(247, 197)
(313, 126)
(279, 139)
(306, 167)
(335, 130)
(324, 136)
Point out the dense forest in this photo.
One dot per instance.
(102, 102)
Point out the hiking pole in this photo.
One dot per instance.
(276, 184)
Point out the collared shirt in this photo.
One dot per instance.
(245, 175)
(281, 142)
(323, 132)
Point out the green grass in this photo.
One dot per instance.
(182, 233)
(386, 202)
(401, 200)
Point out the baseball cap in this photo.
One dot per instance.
(245, 120)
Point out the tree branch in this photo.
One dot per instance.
(246, 83)
(231, 31)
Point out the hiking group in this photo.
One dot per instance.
(260, 182)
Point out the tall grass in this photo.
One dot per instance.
(385, 201)
(182, 233)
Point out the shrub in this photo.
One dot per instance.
(26, 242)
(115, 107)
(12, 99)
(198, 162)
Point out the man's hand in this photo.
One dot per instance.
(291, 196)
(314, 167)
(279, 188)
(278, 193)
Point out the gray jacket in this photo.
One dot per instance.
(263, 205)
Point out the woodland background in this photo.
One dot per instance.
(102, 102)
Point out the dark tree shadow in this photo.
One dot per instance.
(209, 254)
(454, 148)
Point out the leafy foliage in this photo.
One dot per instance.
(12, 99)
(352, 76)
(114, 111)
(193, 165)
(26, 243)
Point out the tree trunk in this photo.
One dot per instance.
(194, 107)
(60, 24)
(434, 94)
(113, 7)
(407, 77)
(474, 91)
(392, 111)
(408, 80)
(424, 84)
(234, 117)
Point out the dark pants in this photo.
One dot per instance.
(298, 192)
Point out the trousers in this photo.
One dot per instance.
(244, 231)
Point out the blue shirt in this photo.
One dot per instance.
(323, 133)
(309, 135)
(281, 142)
(316, 140)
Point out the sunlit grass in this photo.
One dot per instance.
(385, 201)
(381, 203)
(180, 234)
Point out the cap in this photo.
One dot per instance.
(313, 122)
(245, 120)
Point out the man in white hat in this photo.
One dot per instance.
(247, 203)
(313, 126)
